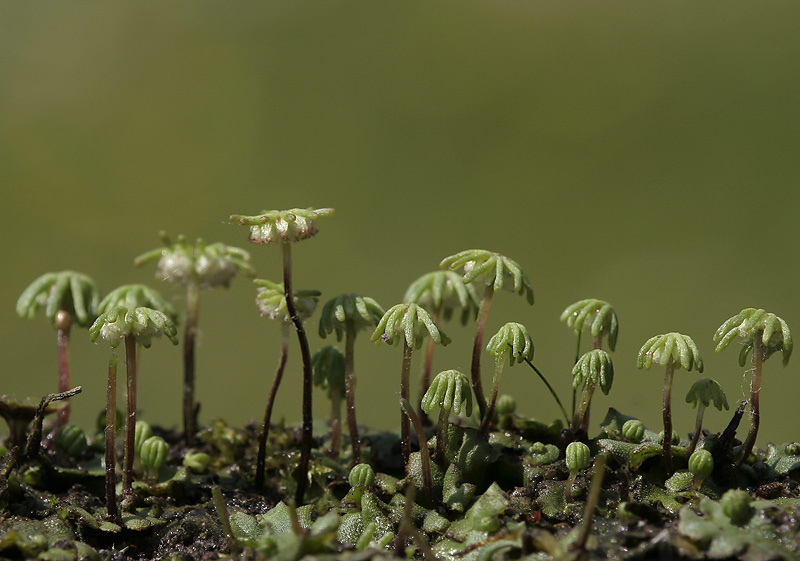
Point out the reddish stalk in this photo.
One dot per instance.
(189, 338)
(405, 427)
(130, 358)
(477, 349)
(755, 393)
(63, 324)
(262, 440)
(350, 390)
(667, 414)
(110, 434)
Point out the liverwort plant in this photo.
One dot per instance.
(514, 342)
(271, 302)
(702, 393)
(673, 351)
(441, 293)
(762, 334)
(411, 324)
(490, 271)
(194, 267)
(136, 326)
(285, 227)
(68, 298)
(450, 392)
(329, 375)
(594, 369)
(347, 314)
(602, 321)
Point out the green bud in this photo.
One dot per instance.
(362, 474)
(701, 464)
(505, 405)
(793, 449)
(578, 456)
(735, 505)
(633, 430)
(196, 461)
(676, 439)
(141, 432)
(71, 440)
(154, 453)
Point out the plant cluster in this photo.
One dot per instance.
(475, 483)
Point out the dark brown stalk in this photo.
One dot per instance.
(305, 454)
(755, 392)
(130, 358)
(110, 434)
(667, 414)
(262, 439)
(405, 428)
(350, 390)
(189, 339)
(477, 349)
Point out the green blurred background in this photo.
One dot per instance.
(641, 153)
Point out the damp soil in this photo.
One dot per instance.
(506, 501)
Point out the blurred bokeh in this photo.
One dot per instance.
(645, 154)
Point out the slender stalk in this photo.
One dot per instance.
(350, 390)
(405, 429)
(698, 427)
(667, 414)
(552, 391)
(424, 453)
(224, 519)
(130, 358)
(755, 393)
(189, 339)
(305, 455)
(581, 419)
(262, 439)
(110, 434)
(498, 372)
(477, 348)
(63, 324)
(407, 529)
